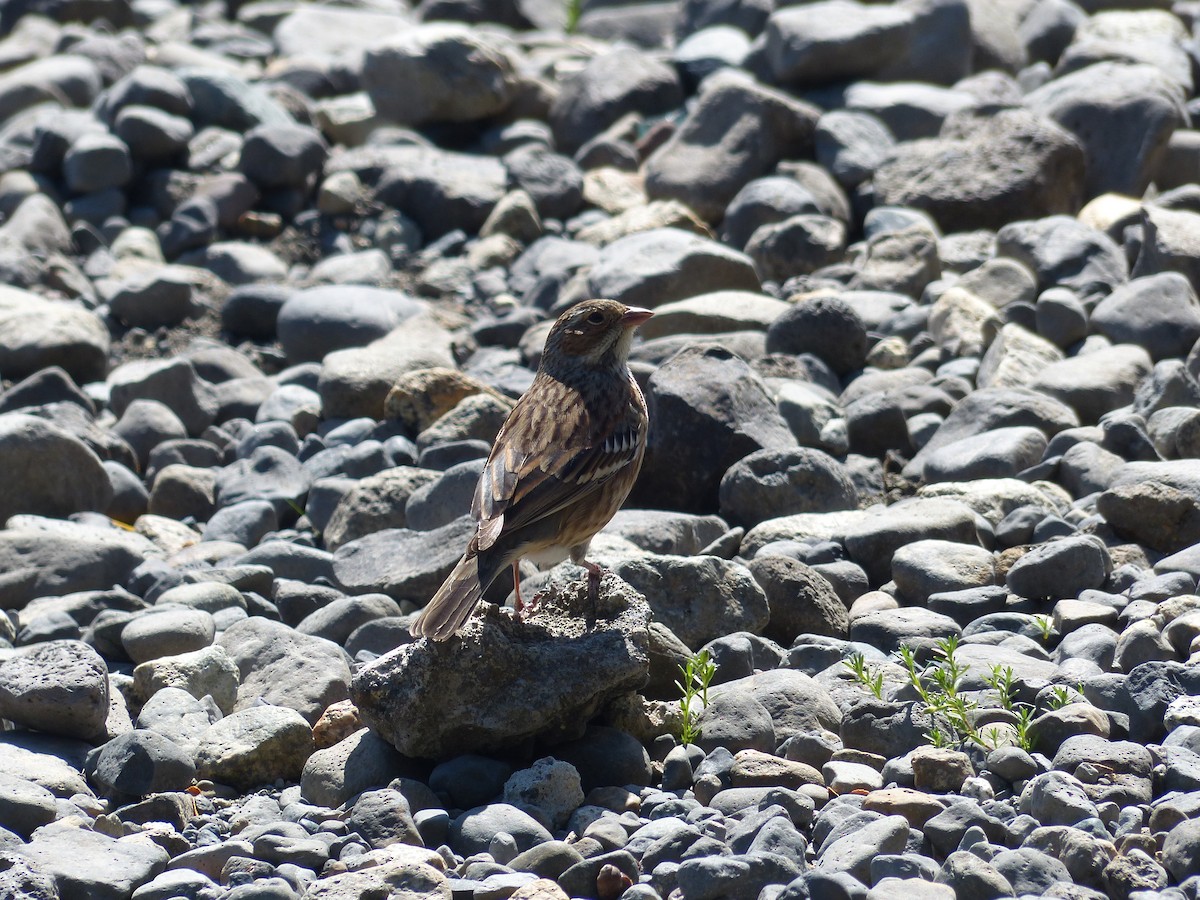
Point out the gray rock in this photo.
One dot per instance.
(1087, 102)
(145, 424)
(550, 786)
(873, 541)
(671, 533)
(318, 320)
(393, 696)
(794, 701)
(155, 299)
(903, 261)
(44, 558)
(1064, 252)
(738, 877)
(180, 491)
(1056, 798)
(1098, 382)
(383, 818)
(457, 75)
(24, 805)
(177, 716)
(698, 598)
(827, 327)
(404, 564)
(704, 164)
(853, 853)
(338, 620)
(851, 145)
(1030, 871)
(58, 687)
(270, 473)
(50, 472)
(768, 484)
(665, 264)
(376, 503)
(439, 190)
(173, 382)
(612, 84)
(167, 632)
(282, 667)
(355, 382)
(892, 629)
(736, 721)
(152, 134)
(800, 600)
(86, 863)
(282, 156)
(766, 201)
(990, 408)
(255, 746)
(1153, 503)
(554, 182)
(1180, 854)
(942, 175)
(1168, 242)
(707, 411)
(472, 832)
(1157, 312)
(333, 775)
(835, 40)
(911, 110)
(95, 162)
(244, 523)
(141, 762)
(973, 877)
(928, 567)
(1135, 871)
(999, 453)
(1061, 568)
(202, 672)
(470, 779)
(253, 309)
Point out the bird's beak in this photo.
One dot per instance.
(635, 316)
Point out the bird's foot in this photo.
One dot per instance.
(594, 573)
(530, 607)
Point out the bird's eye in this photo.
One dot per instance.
(596, 318)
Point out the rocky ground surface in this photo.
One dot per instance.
(923, 473)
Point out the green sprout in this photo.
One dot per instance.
(866, 676)
(696, 674)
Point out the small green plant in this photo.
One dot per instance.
(864, 675)
(1045, 626)
(938, 686)
(1064, 696)
(696, 674)
(1003, 682)
(1021, 726)
(574, 9)
(941, 696)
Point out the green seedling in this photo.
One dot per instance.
(864, 675)
(696, 674)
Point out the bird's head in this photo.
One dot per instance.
(595, 332)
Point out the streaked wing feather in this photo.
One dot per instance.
(521, 485)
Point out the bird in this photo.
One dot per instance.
(560, 467)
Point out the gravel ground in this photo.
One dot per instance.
(923, 473)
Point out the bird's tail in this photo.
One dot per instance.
(454, 601)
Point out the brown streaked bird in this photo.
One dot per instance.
(562, 465)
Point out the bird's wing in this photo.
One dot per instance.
(540, 463)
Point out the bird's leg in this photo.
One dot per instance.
(516, 572)
(594, 572)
